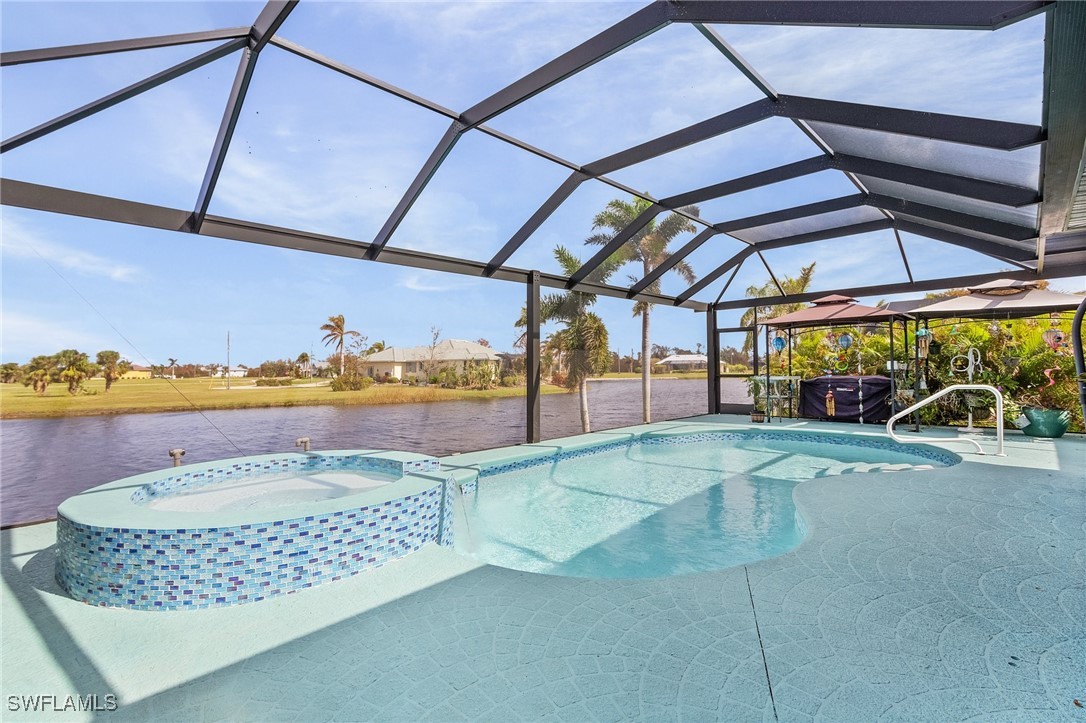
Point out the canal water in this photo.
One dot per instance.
(44, 461)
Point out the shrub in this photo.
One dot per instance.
(273, 382)
(392, 380)
(350, 383)
(509, 380)
(434, 379)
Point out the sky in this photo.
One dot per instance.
(315, 150)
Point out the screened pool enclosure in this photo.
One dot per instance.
(785, 132)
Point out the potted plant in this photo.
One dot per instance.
(1046, 397)
(754, 389)
(1045, 419)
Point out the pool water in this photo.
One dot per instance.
(272, 490)
(656, 509)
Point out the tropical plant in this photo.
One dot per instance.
(337, 333)
(788, 285)
(375, 347)
(649, 247)
(39, 372)
(11, 372)
(75, 367)
(583, 340)
(113, 367)
(172, 364)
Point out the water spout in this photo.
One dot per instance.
(177, 453)
(302, 442)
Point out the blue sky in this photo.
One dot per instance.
(317, 151)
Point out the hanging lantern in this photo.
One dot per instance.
(923, 342)
(844, 341)
(1053, 337)
(778, 342)
(994, 328)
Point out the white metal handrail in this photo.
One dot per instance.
(941, 393)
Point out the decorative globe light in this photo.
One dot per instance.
(994, 328)
(779, 343)
(844, 341)
(923, 342)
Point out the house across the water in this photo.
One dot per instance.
(421, 362)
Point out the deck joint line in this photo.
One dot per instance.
(761, 647)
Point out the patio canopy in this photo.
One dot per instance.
(1003, 299)
(834, 309)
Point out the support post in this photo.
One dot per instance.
(712, 368)
(768, 372)
(791, 391)
(532, 367)
(893, 367)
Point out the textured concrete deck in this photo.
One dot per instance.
(946, 594)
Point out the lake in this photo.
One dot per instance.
(45, 461)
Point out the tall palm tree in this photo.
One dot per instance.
(172, 364)
(790, 285)
(337, 334)
(583, 340)
(649, 247)
(303, 362)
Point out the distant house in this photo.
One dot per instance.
(137, 372)
(313, 368)
(684, 362)
(234, 372)
(407, 362)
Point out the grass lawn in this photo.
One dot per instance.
(182, 395)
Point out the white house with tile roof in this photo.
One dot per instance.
(407, 362)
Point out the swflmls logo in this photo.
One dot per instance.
(62, 703)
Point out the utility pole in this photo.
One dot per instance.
(227, 360)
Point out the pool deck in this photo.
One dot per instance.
(945, 594)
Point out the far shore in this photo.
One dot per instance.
(147, 396)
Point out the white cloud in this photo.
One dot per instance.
(434, 282)
(26, 335)
(22, 242)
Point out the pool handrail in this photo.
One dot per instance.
(941, 393)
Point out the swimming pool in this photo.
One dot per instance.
(659, 506)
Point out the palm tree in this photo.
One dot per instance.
(303, 362)
(583, 342)
(172, 364)
(337, 334)
(375, 347)
(112, 366)
(789, 285)
(74, 368)
(649, 246)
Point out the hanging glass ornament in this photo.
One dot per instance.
(779, 342)
(844, 341)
